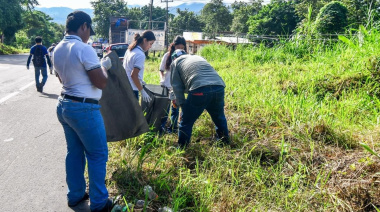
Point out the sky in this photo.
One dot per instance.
(80, 4)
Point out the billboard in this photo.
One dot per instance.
(158, 45)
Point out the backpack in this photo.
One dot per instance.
(38, 57)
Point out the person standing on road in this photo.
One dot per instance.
(83, 77)
(179, 42)
(192, 74)
(38, 52)
(134, 60)
(50, 52)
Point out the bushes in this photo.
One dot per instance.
(332, 18)
(4, 49)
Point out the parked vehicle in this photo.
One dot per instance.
(119, 48)
(98, 48)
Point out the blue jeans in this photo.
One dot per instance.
(209, 98)
(37, 72)
(86, 138)
(173, 119)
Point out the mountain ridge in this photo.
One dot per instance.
(59, 14)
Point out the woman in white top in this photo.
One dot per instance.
(179, 42)
(134, 60)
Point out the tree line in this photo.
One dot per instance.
(20, 23)
(278, 17)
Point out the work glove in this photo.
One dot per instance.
(144, 96)
(106, 63)
(171, 95)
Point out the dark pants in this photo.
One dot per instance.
(210, 98)
(37, 72)
(136, 94)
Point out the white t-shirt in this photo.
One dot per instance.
(166, 79)
(134, 59)
(72, 60)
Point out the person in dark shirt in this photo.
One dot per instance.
(38, 52)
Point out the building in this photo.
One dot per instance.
(195, 41)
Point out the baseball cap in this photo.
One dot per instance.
(76, 19)
(177, 53)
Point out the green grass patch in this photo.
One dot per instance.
(297, 113)
(5, 50)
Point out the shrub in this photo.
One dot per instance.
(332, 18)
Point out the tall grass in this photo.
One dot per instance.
(296, 111)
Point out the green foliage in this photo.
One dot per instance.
(216, 18)
(4, 49)
(332, 18)
(184, 21)
(276, 18)
(103, 10)
(241, 13)
(10, 19)
(362, 12)
(302, 8)
(37, 23)
(296, 112)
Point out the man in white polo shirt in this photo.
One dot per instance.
(82, 77)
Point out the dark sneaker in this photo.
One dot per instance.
(107, 208)
(84, 198)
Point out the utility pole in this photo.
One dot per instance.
(150, 15)
(167, 22)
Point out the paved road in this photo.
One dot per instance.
(32, 143)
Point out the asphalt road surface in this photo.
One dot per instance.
(32, 143)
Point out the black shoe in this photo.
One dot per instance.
(107, 208)
(84, 198)
(39, 89)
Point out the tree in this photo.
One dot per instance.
(332, 18)
(241, 13)
(216, 18)
(362, 12)
(184, 21)
(103, 10)
(276, 18)
(37, 23)
(10, 19)
(158, 17)
(29, 4)
(302, 7)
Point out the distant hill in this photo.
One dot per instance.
(195, 7)
(59, 14)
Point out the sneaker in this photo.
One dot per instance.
(84, 198)
(107, 208)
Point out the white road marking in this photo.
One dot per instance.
(15, 93)
(26, 86)
(9, 139)
(9, 96)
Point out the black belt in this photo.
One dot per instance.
(79, 99)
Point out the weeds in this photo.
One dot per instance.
(297, 113)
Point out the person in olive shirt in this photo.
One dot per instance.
(192, 74)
